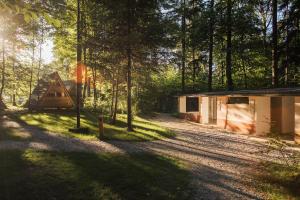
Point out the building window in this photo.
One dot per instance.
(192, 104)
(238, 100)
(51, 94)
(58, 94)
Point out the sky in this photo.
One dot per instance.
(47, 52)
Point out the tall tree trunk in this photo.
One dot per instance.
(84, 30)
(129, 68)
(113, 85)
(3, 68)
(183, 44)
(114, 117)
(40, 55)
(194, 67)
(85, 74)
(287, 48)
(94, 72)
(31, 70)
(228, 48)
(14, 103)
(79, 67)
(275, 78)
(211, 44)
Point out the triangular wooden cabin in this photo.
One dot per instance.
(2, 105)
(51, 93)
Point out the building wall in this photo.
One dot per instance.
(288, 116)
(236, 117)
(205, 110)
(182, 104)
(297, 120)
(191, 116)
(262, 115)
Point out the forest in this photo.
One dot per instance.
(135, 56)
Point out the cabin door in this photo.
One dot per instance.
(212, 110)
(276, 115)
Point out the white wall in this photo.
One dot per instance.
(263, 115)
(205, 110)
(288, 116)
(182, 104)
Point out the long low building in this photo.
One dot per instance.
(256, 112)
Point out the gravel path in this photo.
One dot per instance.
(221, 163)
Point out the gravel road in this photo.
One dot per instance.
(221, 163)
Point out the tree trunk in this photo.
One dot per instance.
(114, 117)
(94, 71)
(183, 44)
(14, 103)
(287, 48)
(84, 31)
(275, 78)
(211, 44)
(79, 67)
(228, 48)
(112, 96)
(40, 56)
(31, 70)
(194, 67)
(129, 68)
(3, 68)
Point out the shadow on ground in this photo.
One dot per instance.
(48, 175)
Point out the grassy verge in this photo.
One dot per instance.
(280, 182)
(53, 175)
(61, 121)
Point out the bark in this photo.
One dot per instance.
(287, 48)
(79, 67)
(84, 29)
(114, 117)
(183, 44)
(3, 69)
(228, 48)
(194, 67)
(129, 68)
(275, 78)
(31, 70)
(40, 55)
(14, 75)
(211, 44)
(112, 96)
(94, 72)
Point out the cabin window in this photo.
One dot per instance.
(192, 104)
(238, 100)
(50, 94)
(58, 94)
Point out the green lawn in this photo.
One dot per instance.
(53, 175)
(61, 121)
(280, 182)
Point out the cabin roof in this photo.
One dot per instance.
(260, 92)
(42, 88)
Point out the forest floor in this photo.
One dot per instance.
(222, 165)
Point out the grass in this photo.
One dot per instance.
(280, 182)
(61, 121)
(53, 175)
(11, 133)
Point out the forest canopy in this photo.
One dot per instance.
(138, 54)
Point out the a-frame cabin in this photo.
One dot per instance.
(51, 93)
